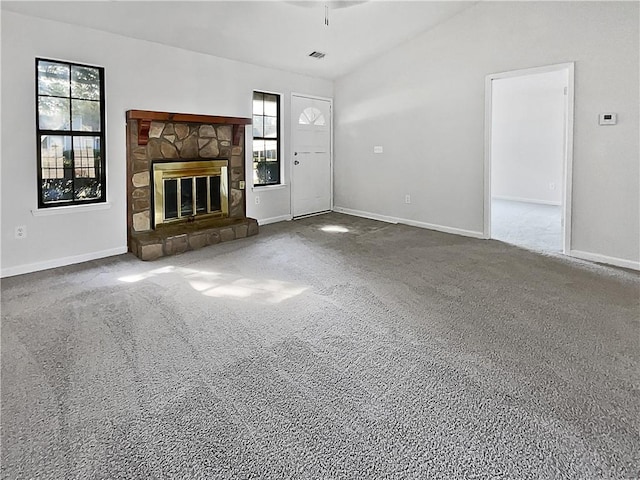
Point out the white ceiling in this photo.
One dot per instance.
(277, 34)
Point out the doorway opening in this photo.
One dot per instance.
(528, 157)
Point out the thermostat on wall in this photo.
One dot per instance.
(608, 119)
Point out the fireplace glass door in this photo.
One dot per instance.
(189, 196)
(183, 190)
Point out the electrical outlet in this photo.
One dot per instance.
(257, 200)
(407, 199)
(21, 232)
(241, 184)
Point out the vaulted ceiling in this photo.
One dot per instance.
(277, 34)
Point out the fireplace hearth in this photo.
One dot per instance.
(185, 182)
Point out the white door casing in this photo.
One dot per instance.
(311, 155)
(568, 146)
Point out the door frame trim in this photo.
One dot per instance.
(568, 144)
(291, 147)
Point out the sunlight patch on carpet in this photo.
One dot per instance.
(220, 285)
(334, 229)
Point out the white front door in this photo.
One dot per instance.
(311, 182)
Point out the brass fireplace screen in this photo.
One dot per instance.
(183, 190)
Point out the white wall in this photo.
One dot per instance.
(527, 142)
(424, 103)
(139, 75)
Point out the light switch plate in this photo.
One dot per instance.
(241, 184)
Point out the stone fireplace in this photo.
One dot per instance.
(185, 182)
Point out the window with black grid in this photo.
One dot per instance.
(266, 139)
(70, 131)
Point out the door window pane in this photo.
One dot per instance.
(311, 116)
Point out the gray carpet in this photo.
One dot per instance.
(382, 352)
(528, 225)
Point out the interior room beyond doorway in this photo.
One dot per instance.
(527, 159)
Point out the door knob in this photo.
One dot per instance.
(296, 162)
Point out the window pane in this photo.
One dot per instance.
(270, 127)
(260, 173)
(258, 150)
(53, 113)
(87, 188)
(271, 150)
(258, 130)
(257, 104)
(86, 157)
(55, 155)
(85, 83)
(86, 115)
(170, 199)
(55, 190)
(186, 197)
(53, 79)
(272, 172)
(271, 105)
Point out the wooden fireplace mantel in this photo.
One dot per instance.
(145, 117)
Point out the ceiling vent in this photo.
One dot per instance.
(317, 55)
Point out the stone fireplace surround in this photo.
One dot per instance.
(161, 136)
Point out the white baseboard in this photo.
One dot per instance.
(360, 213)
(526, 200)
(281, 218)
(412, 223)
(596, 257)
(443, 228)
(60, 262)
